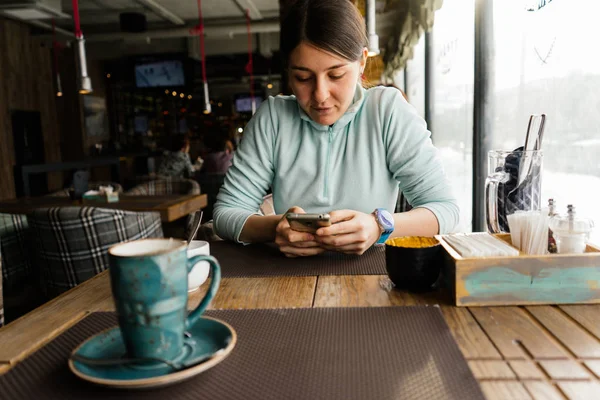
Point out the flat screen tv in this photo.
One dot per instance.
(244, 103)
(160, 74)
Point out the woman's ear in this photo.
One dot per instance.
(363, 59)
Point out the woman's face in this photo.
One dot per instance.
(324, 83)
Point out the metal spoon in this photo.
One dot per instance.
(531, 143)
(195, 226)
(124, 360)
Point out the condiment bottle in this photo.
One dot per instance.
(570, 231)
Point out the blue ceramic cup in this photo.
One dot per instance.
(149, 280)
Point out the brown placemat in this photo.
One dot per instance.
(264, 260)
(326, 353)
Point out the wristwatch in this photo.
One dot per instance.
(385, 220)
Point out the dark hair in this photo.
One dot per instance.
(216, 140)
(335, 26)
(178, 142)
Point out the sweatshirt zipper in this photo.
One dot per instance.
(325, 188)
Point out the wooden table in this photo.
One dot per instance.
(537, 352)
(170, 207)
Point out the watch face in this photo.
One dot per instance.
(386, 219)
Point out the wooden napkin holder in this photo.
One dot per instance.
(523, 279)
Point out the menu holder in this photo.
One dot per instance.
(523, 279)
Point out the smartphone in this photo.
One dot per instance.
(308, 222)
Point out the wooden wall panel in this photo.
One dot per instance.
(70, 108)
(26, 83)
(7, 158)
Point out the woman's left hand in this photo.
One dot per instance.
(351, 232)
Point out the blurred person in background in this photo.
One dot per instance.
(220, 154)
(176, 162)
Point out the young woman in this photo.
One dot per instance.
(333, 147)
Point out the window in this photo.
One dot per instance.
(415, 77)
(546, 61)
(452, 76)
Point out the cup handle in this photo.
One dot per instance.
(492, 183)
(212, 290)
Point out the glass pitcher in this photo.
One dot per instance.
(513, 183)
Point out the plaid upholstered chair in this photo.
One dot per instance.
(165, 185)
(92, 186)
(72, 242)
(169, 185)
(21, 292)
(14, 249)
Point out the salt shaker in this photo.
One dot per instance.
(570, 231)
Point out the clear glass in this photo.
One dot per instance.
(513, 184)
(452, 97)
(545, 62)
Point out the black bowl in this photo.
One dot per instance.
(413, 268)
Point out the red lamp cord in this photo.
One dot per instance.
(55, 46)
(78, 32)
(200, 30)
(250, 66)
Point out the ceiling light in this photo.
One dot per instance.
(174, 93)
(182, 95)
(167, 91)
(207, 106)
(240, 130)
(269, 86)
(373, 48)
(58, 86)
(85, 83)
(108, 76)
(189, 97)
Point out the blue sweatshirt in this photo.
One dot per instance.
(379, 145)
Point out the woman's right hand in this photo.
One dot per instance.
(293, 243)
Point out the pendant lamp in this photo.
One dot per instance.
(373, 48)
(85, 83)
(55, 48)
(200, 31)
(250, 65)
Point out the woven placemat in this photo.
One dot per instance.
(263, 260)
(326, 353)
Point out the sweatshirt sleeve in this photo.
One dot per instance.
(414, 161)
(249, 177)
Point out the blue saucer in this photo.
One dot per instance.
(210, 342)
